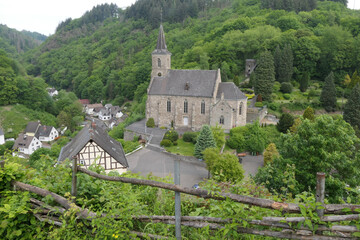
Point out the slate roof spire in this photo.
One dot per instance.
(161, 47)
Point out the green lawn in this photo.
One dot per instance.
(183, 148)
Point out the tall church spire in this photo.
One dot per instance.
(161, 44)
(161, 57)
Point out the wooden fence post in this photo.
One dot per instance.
(320, 191)
(177, 200)
(74, 178)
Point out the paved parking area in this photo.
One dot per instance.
(146, 161)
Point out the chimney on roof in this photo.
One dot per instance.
(93, 124)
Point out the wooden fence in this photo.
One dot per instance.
(334, 212)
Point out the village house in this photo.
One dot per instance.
(93, 145)
(46, 133)
(191, 98)
(52, 92)
(90, 109)
(2, 137)
(31, 128)
(26, 144)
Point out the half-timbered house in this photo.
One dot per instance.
(93, 145)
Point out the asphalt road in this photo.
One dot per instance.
(147, 161)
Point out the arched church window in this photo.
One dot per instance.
(240, 108)
(185, 106)
(168, 105)
(203, 107)
(222, 120)
(159, 62)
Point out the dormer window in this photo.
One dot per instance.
(187, 86)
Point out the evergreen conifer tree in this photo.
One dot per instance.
(328, 94)
(309, 113)
(277, 61)
(265, 76)
(285, 122)
(204, 140)
(352, 109)
(304, 82)
(286, 67)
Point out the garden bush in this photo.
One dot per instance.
(190, 137)
(165, 143)
(286, 87)
(286, 96)
(171, 135)
(150, 123)
(259, 104)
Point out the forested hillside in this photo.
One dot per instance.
(109, 49)
(15, 42)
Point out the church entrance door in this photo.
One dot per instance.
(186, 121)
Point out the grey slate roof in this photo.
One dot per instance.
(201, 83)
(23, 141)
(1, 132)
(161, 47)
(32, 127)
(43, 131)
(101, 138)
(231, 91)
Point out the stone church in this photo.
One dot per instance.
(189, 99)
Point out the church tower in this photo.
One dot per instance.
(161, 57)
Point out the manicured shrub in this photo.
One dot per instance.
(190, 137)
(172, 135)
(286, 96)
(165, 143)
(150, 123)
(175, 143)
(286, 87)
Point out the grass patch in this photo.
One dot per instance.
(13, 119)
(183, 148)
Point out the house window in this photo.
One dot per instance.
(159, 62)
(168, 105)
(203, 107)
(240, 108)
(222, 120)
(185, 106)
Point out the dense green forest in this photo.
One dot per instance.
(109, 49)
(308, 53)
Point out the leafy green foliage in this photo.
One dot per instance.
(171, 135)
(328, 94)
(270, 153)
(150, 123)
(223, 167)
(219, 135)
(190, 137)
(165, 143)
(204, 140)
(324, 145)
(304, 82)
(286, 87)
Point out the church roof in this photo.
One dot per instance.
(101, 138)
(161, 47)
(230, 90)
(192, 83)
